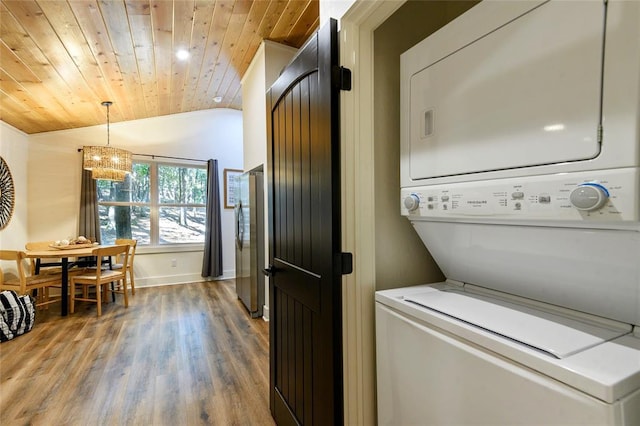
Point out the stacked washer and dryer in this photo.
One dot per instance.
(520, 171)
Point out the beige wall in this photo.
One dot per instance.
(401, 258)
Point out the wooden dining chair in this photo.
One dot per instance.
(119, 264)
(24, 283)
(100, 277)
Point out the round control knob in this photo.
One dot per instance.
(589, 196)
(412, 202)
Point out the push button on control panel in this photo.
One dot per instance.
(544, 199)
(518, 195)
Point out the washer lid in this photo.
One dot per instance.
(554, 334)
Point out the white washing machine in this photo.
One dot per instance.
(520, 171)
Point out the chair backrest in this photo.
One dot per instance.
(106, 252)
(18, 257)
(132, 249)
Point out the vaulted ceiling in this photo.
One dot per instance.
(59, 59)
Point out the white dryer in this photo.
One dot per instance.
(520, 171)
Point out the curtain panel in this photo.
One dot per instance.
(89, 225)
(212, 262)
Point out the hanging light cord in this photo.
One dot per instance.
(108, 131)
(108, 104)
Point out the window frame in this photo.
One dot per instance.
(155, 205)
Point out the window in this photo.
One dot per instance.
(156, 204)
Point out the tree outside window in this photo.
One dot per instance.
(156, 204)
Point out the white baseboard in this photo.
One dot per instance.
(179, 279)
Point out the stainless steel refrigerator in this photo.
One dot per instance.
(249, 213)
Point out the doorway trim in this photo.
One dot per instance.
(358, 202)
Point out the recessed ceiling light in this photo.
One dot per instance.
(182, 54)
(217, 99)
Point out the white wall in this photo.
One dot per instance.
(55, 165)
(334, 9)
(263, 71)
(14, 148)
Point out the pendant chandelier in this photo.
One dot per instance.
(107, 162)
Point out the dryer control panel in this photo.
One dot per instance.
(603, 196)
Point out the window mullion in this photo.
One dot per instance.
(154, 197)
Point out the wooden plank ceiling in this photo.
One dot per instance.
(59, 59)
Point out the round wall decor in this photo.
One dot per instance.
(7, 194)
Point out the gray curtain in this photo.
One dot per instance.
(89, 220)
(212, 262)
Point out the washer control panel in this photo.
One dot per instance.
(603, 195)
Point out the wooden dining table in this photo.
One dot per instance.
(64, 254)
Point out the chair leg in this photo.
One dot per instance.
(99, 298)
(37, 294)
(133, 283)
(72, 297)
(124, 290)
(45, 296)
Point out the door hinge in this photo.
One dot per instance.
(342, 78)
(346, 263)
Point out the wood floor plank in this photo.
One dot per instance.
(179, 355)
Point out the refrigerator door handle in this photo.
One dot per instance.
(239, 225)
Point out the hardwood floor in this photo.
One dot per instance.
(179, 355)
